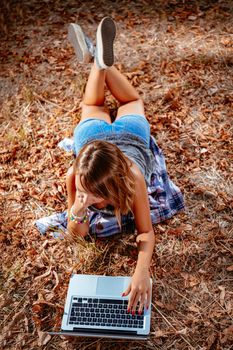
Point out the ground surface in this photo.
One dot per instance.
(179, 56)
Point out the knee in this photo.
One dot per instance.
(93, 108)
(137, 100)
(93, 104)
(133, 107)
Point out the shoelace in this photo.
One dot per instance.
(90, 45)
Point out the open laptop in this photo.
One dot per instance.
(94, 307)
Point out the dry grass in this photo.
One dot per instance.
(179, 56)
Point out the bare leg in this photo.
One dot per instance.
(94, 93)
(121, 89)
(124, 92)
(93, 101)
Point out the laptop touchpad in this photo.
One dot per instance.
(110, 286)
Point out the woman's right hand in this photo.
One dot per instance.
(81, 202)
(84, 200)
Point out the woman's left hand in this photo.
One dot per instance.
(139, 289)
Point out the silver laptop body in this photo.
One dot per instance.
(94, 307)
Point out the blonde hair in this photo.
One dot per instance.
(105, 172)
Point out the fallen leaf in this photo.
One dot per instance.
(194, 308)
(182, 331)
(160, 334)
(222, 294)
(227, 334)
(192, 18)
(44, 275)
(157, 302)
(175, 231)
(229, 268)
(44, 338)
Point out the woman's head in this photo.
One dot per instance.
(104, 171)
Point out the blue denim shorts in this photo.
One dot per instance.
(89, 129)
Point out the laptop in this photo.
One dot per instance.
(94, 307)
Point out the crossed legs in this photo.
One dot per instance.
(119, 86)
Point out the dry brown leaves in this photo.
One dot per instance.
(179, 56)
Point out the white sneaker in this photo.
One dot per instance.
(83, 45)
(105, 36)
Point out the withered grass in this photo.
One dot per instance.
(179, 56)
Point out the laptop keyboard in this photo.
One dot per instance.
(103, 312)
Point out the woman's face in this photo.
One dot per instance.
(83, 193)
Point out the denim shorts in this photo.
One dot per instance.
(89, 129)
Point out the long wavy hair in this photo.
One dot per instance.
(105, 172)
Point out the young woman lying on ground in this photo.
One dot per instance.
(114, 164)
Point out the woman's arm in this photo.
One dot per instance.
(79, 209)
(140, 285)
(145, 233)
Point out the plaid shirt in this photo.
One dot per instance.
(165, 200)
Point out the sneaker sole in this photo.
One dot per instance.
(77, 39)
(105, 36)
